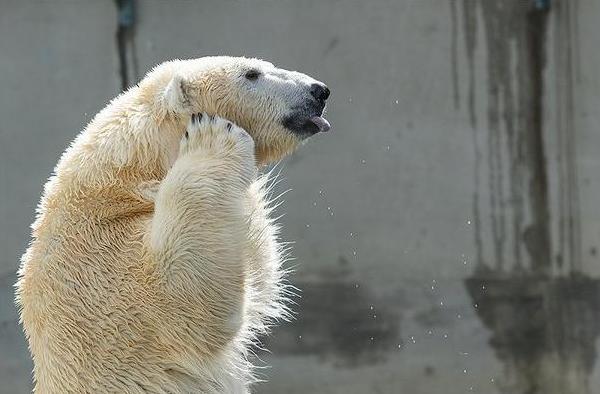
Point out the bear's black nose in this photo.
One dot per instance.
(319, 91)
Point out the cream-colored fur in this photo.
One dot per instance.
(154, 262)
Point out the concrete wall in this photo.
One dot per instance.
(57, 69)
(381, 209)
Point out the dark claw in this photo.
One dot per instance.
(228, 126)
(199, 117)
(193, 118)
(187, 135)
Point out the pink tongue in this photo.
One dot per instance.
(321, 123)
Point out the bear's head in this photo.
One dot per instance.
(278, 108)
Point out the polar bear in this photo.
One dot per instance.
(154, 263)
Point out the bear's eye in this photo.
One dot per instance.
(252, 75)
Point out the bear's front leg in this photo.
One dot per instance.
(199, 231)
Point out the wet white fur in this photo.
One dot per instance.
(154, 263)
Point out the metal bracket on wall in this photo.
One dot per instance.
(542, 4)
(128, 65)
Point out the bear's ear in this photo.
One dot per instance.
(176, 95)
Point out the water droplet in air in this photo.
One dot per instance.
(396, 101)
(307, 225)
(363, 161)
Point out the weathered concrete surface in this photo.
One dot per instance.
(381, 208)
(544, 323)
(57, 69)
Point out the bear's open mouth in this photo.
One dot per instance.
(307, 121)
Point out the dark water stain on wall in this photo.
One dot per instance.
(566, 56)
(470, 26)
(515, 47)
(543, 329)
(515, 52)
(339, 320)
(454, 53)
(544, 319)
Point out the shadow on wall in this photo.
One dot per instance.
(338, 317)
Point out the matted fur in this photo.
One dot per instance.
(154, 262)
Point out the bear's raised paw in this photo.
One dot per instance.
(212, 133)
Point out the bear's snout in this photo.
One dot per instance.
(319, 91)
